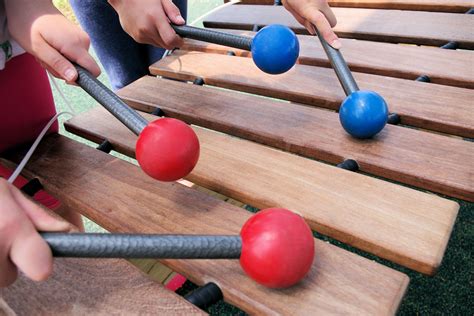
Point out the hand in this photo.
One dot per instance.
(46, 34)
(148, 21)
(21, 247)
(315, 13)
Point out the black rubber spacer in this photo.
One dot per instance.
(423, 78)
(105, 146)
(349, 164)
(394, 119)
(205, 296)
(199, 81)
(32, 187)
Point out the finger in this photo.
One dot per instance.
(84, 59)
(318, 19)
(30, 253)
(329, 14)
(41, 218)
(301, 20)
(167, 34)
(8, 271)
(172, 12)
(57, 62)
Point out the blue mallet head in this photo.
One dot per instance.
(275, 49)
(363, 114)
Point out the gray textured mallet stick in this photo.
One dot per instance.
(80, 245)
(109, 100)
(340, 66)
(216, 37)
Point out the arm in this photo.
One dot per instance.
(310, 13)
(46, 34)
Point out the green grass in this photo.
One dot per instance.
(450, 292)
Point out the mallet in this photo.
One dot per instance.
(167, 149)
(275, 48)
(275, 247)
(363, 114)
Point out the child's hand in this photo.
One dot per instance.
(46, 34)
(148, 21)
(317, 13)
(21, 247)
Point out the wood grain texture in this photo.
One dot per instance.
(98, 287)
(434, 162)
(414, 27)
(459, 6)
(406, 226)
(434, 107)
(121, 198)
(392, 60)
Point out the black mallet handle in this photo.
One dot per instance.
(216, 37)
(340, 66)
(79, 245)
(109, 100)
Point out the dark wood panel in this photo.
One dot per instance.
(97, 287)
(393, 60)
(434, 162)
(434, 107)
(406, 226)
(415, 27)
(459, 6)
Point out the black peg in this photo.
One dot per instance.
(423, 78)
(205, 296)
(394, 119)
(451, 45)
(349, 164)
(230, 53)
(277, 2)
(158, 112)
(32, 187)
(256, 28)
(199, 81)
(105, 147)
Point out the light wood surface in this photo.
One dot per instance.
(414, 27)
(403, 225)
(459, 6)
(121, 198)
(435, 107)
(426, 160)
(392, 60)
(92, 286)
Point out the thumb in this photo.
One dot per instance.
(172, 12)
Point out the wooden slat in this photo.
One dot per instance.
(403, 225)
(97, 287)
(459, 6)
(430, 161)
(393, 60)
(121, 198)
(435, 107)
(425, 28)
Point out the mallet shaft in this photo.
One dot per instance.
(90, 245)
(340, 67)
(211, 36)
(109, 100)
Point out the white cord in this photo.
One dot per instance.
(32, 149)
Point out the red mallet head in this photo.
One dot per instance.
(277, 248)
(167, 149)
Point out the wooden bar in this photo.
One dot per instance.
(386, 59)
(457, 6)
(89, 286)
(411, 27)
(428, 106)
(406, 226)
(429, 161)
(121, 198)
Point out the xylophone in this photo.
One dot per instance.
(270, 152)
